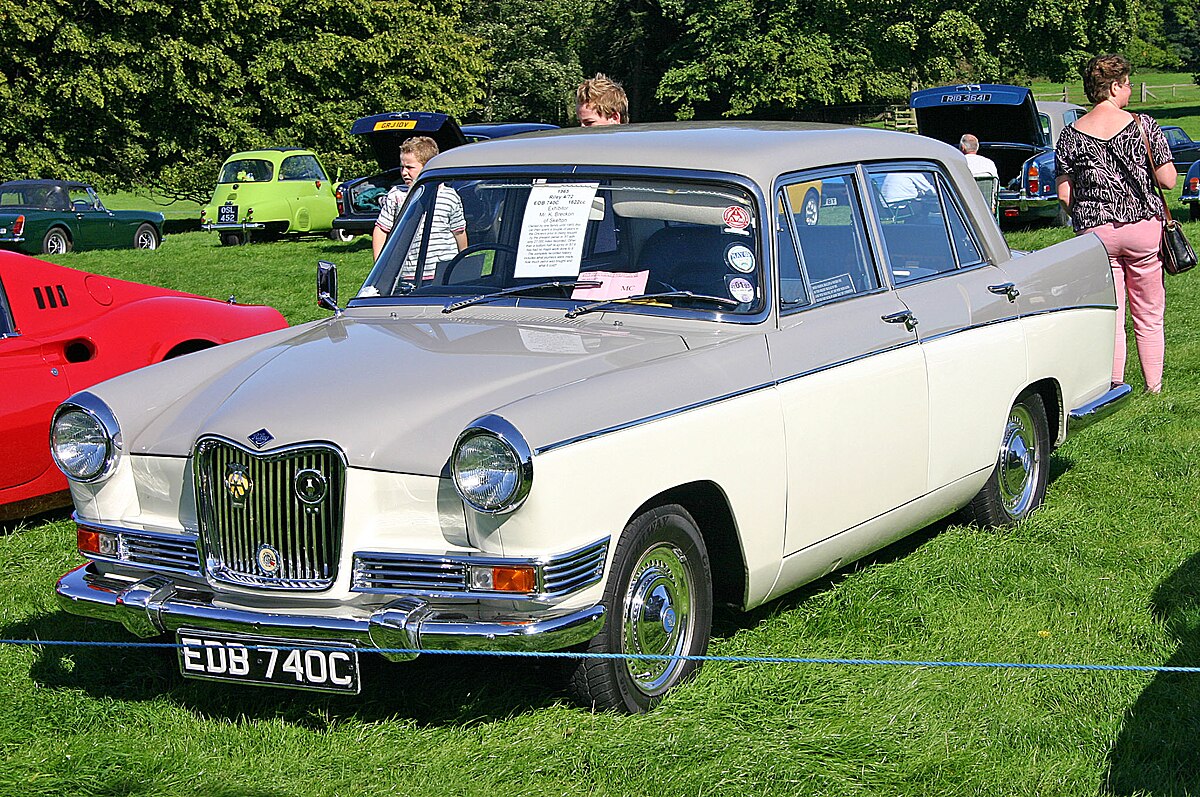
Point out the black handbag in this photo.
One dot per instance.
(1175, 250)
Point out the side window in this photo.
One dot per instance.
(965, 246)
(830, 239)
(915, 232)
(301, 167)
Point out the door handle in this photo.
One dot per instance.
(1007, 289)
(903, 317)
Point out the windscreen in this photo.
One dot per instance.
(601, 239)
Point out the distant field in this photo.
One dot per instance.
(1162, 88)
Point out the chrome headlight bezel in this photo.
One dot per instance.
(506, 444)
(96, 412)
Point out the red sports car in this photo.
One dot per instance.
(62, 330)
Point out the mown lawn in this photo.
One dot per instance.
(1108, 572)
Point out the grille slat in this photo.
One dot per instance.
(305, 537)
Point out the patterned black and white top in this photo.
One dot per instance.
(1110, 179)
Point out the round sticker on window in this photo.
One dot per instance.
(741, 289)
(737, 217)
(740, 258)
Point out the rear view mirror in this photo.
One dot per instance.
(327, 287)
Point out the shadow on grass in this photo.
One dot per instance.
(432, 690)
(14, 525)
(1158, 749)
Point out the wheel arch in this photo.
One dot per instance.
(187, 347)
(1052, 397)
(706, 502)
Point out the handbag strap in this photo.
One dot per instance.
(1153, 176)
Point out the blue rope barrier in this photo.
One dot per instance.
(644, 657)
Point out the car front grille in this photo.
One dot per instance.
(271, 520)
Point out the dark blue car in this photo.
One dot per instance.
(358, 199)
(1005, 119)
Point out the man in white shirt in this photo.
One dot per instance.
(449, 234)
(980, 166)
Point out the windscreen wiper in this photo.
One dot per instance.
(587, 308)
(518, 289)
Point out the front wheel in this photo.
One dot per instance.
(659, 603)
(1017, 485)
(812, 207)
(56, 242)
(146, 237)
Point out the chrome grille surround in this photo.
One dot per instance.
(165, 552)
(447, 576)
(261, 509)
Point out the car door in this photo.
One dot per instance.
(302, 180)
(93, 227)
(25, 412)
(850, 375)
(966, 317)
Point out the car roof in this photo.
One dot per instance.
(19, 184)
(1051, 106)
(268, 151)
(757, 150)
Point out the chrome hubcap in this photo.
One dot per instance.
(657, 617)
(145, 241)
(1019, 464)
(57, 245)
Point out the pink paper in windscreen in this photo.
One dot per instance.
(613, 284)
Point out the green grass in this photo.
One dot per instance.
(1107, 572)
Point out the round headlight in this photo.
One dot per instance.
(82, 445)
(491, 466)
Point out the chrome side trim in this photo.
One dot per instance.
(158, 605)
(1098, 408)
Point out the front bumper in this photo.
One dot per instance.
(157, 605)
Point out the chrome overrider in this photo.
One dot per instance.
(158, 604)
(1099, 408)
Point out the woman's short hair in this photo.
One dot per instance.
(1101, 72)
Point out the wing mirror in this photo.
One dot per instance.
(327, 287)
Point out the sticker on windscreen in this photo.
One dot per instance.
(740, 258)
(741, 289)
(736, 217)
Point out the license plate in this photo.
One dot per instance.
(227, 214)
(333, 667)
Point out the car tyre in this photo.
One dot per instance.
(146, 237)
(659, 602)
(812, 207)
(56, 242)
(1017, 484)
(232, 239)
(1193, 211)
(341, 236)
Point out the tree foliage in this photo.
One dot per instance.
(139, 92)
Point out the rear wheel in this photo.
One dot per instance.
(56, 242)
(232, 239)
(342, 236)
(1017, 485)
(812, 207)
(146, 237)
(659, 603)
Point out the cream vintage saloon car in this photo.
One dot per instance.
(646, 385)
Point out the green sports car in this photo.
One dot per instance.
(52, 217)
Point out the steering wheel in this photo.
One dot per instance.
(471, 250)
